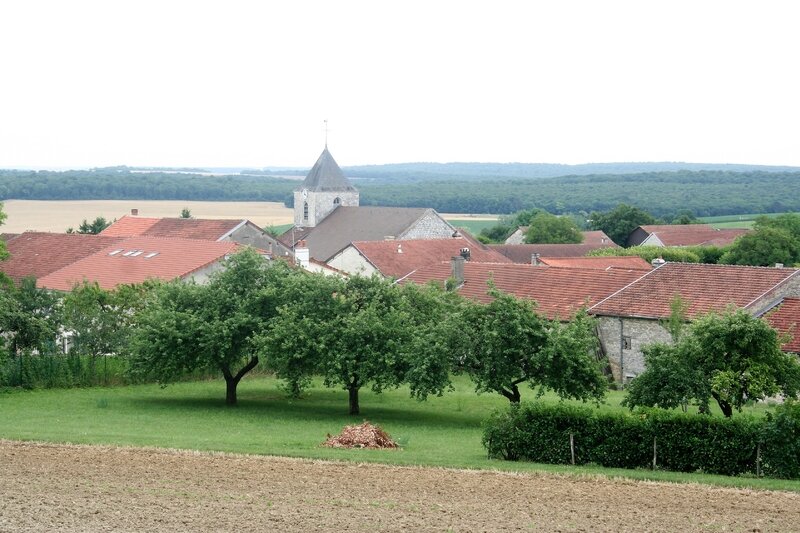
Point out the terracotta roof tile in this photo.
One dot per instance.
(36, 254)
(398, 258)
(703, 287)
(521, 253)
(602, 263)
(694, 234)
(128, 226)
(786, 319)
(597, 237)
(160, 257)
(559, 292)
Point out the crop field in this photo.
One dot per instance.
(735, 221)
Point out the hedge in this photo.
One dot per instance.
(648, 438)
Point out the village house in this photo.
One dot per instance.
(683, 235)
(596, 237)
(328, 216)
(785, 318)
(633, 316)
(559, 292)
(397, 259)
(524, 253)
(240, 231)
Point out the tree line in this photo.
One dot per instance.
(705, 193)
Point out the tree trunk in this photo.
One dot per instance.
(352, 389)
(727, 408)
(513, 395)
(231, 381)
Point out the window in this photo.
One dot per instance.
(151, 254)
(337, 201)
(115, 252)
(626, 343)
(305, 210)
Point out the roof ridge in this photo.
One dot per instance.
(784, 280)
(637, 280)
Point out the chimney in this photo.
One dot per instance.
(464, 252)
(301, 254)
(778, 265)
(135, 212)
(457, 266)
(535, 259)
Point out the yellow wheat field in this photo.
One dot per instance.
(58, 215)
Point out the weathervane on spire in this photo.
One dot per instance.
(326, 132)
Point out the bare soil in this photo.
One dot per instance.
(49, 487)
(58, 215)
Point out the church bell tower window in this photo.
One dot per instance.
(305, 210)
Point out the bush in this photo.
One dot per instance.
(781, 446)
(682, 442)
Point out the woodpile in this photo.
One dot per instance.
(364, 435)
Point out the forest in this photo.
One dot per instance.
(704, 192)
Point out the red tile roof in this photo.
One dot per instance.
(160, 257)
(786, 319)
(398, 258)
(597, 237)
(703, 287)
(36, 254)
(128, 226)
(521, 253)
(559, 292)
(694, 234)
(183, 228)
(625, 262)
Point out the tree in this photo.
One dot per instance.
(545, 228)
(620, 222)
(185, 213)
(189, 327)
(357, 332)
(92, 228)
(731, 357)
(505, 343)
(764, 247)
(29, 317)
(3, 251)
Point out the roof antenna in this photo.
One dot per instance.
(326, 133)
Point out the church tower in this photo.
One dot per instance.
(324, 189)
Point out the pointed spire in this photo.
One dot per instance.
(326, 175)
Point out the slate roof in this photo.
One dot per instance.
(703, 287)
(786, 319)
(349, 224)
(559, 292)
(398, 258)
(693, 234)
(182, 228)
(326, 175)
(37, 254)
(160, 257)
(602, 263)
(521, 253)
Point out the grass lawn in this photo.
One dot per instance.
(443, 431)
(472, 226)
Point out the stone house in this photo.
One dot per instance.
(633, 316)
(596, 237)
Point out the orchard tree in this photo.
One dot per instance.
(189, 327)
(29, 317)
(506, 343)
(545, 228)
(766, 246)
(731, 357)
(620, 222)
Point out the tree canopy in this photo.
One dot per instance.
(731, 357)
(620, 222)
(545, 228)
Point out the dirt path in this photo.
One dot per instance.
(47, 487)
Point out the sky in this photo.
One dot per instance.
(251, 83)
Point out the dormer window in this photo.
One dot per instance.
(305, 210)
(337, 201)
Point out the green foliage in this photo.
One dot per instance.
(674, 254)
(92, 228)
(781, 449)
(215, 326)
(685, 443)
(620, 222)
(545, 228)
(775, 240)
(505, 343)
(685, 217)
(29, 317)
(731, 357)
(3, 251)
(185, 213)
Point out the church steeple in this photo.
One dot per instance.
(324, 189)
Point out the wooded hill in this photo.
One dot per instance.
(706, 193)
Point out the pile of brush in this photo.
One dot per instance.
(364, 435)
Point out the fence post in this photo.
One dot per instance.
(572, 446)
(654, 452)
(758, 460)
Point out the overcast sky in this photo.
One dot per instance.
(235, 83)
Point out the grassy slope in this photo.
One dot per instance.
(443, 431)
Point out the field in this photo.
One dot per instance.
(47, 487)
(41, 215)
(735, 221)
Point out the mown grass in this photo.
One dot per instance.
(444, 431)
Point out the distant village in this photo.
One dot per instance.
(333, 235)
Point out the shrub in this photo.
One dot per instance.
(781, 445)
